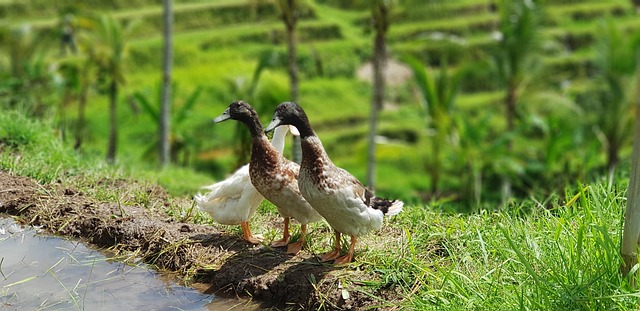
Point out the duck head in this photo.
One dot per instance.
(238, 110)
(289, 113)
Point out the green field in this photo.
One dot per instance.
(218, 42)
(551, 244)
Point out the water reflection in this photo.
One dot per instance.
(42, 272)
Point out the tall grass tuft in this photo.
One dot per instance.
(565, 257)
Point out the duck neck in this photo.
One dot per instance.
(254, 125)
(303, 126)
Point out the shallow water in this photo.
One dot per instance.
(40, 272)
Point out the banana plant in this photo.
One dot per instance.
(181, 141)
(109, 40)
(438, 98)
(474, 149)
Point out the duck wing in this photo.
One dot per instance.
(367, 197)
(232, 186)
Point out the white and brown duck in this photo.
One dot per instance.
(234, 200)
(347, 205)
(273, 175)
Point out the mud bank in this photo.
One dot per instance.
(197, 252)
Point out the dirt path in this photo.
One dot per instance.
(227, 263)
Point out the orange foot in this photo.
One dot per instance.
(248, 236)
(294, 248)
(254, 239)
(280, 243)
(330, 255)
(343, 260)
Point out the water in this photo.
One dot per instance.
(39, 272)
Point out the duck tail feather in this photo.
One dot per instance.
(395, 208)
(388, 207)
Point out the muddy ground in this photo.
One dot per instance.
(200, 252)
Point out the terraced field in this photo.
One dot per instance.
(218, 44)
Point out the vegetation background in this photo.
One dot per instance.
(518, 113)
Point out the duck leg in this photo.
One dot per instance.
(336, 249)
(294, 248)
(285, 235)
(248, 236)
(349, 256)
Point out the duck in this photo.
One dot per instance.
(274, 176)
(346, 204)
(234, 200)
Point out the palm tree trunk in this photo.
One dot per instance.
(631, 231)
(510, 106)
(376, 104)
(293, 77)
(289, 16)
(113, 122)
(612, 156)
(380, 13)
(82, 104)
(165, 125)
(510, 110)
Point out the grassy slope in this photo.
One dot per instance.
(536, 255)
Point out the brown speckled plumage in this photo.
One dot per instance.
(272, 174)
(347, 205)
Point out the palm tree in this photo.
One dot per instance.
(615, 64)
(86, 71)
(70, 71)
(108, 51)
(380, 13)
(165, 118)
(28, 75)
(518, 41)
(438, 96)
(289, 10)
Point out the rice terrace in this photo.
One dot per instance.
(365, 154)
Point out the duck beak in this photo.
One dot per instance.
(275, 122)
(223, 117)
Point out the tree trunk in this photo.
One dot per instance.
(612, 155)
(510, 115)
(631, 231)
(165, 120)
(290, 19)
(82, 104)
(380, 21)
(510, 108)
(113, 122)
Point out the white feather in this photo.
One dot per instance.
(234, 200)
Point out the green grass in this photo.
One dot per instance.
(529, 255)
(558, 258)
